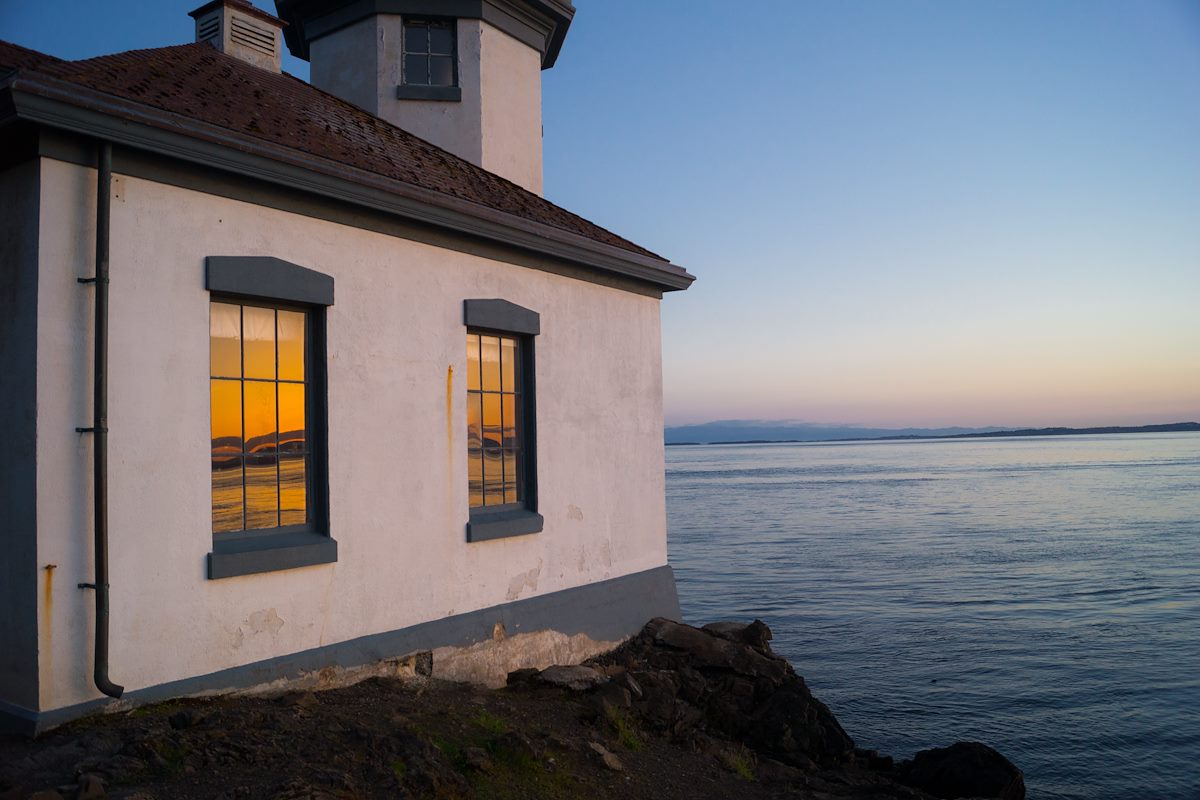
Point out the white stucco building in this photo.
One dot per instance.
(346, 388)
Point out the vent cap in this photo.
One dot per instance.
(237, 28)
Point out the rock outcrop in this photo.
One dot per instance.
(723, 680)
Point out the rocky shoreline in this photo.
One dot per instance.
(676, 712)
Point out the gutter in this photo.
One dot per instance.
(99, 428)
(62, 104)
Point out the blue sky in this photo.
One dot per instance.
(926, 213)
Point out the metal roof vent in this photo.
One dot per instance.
(239, 29)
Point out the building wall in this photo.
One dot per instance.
(397, 439)
(20, 577)
(498, 122)
(346, 64)
(510, 78)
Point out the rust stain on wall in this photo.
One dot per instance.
(47, 648)
(450, 440)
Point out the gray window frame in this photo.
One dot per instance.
(409, 90)
(501, 317)
(274, 283)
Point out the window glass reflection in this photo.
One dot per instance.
(259, 416)
(441, 40)
(474, 421)
(416, 70)
(225, 340)
(490, 355)
(475, 477)
(258, 335)
(508, 364)
(290, 327)
(291, 417)
(227, 493)
(472, 362)
(510, 477)
(225, 399)
(293, 490)
(262, 492)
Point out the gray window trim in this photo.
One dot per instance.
(275, 281)
(270, 553)
(504, 317)
(501, 315)
(267, 278)
(502, 523)
(440, 94)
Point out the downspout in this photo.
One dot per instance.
(100, 422)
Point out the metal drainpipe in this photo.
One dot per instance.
(100, 423)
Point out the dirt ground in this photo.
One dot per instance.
(386, 738)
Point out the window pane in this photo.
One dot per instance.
(510, 476)
(473, 361)
(291, 345)
(508, 364)
(260, 417)
(441, 40)
(509, 432)
(293, 490)
(291, 417)
(225, 340)
(415, 37)
(474, 421)
(492, 432)
(441, 71)
(490, 353)
(416, 70)
(227, 493)
(225, 399)
(475, 477)
(258, 333)
(493, 477)
(262, 492)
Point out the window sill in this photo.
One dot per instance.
(485, 525)
(445, 94)
(270, 553)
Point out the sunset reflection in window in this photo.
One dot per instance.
(494, 431)
(258, 394)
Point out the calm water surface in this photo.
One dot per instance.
(1038, 594)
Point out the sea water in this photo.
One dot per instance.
(1040, 594)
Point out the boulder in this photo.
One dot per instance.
(576, 678)
(964, 769)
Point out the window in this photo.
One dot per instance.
(430, 61)
(501, 447)
(259, 404)
(266, 401)
(495, 432)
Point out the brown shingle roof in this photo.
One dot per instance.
(198, 82)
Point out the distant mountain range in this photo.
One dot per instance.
(746, 431)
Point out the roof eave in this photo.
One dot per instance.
(59, 104)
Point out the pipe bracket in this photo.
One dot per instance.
(91, 430)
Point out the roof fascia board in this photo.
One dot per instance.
(219, 149)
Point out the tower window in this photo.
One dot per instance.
(430, 57)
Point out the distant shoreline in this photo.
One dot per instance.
(1174, 427)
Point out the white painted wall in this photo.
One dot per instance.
(397, 449)
(497, 124)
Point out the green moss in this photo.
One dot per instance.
(623, 727)
(489, 723)
(740, 762)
